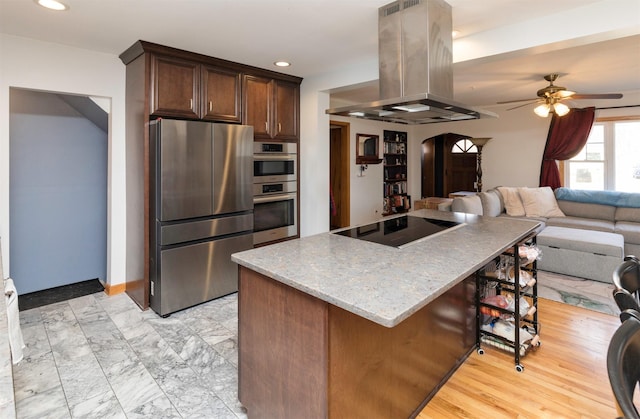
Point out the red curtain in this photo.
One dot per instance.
(567, 136)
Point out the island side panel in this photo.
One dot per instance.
(379, 372)
(282, 339)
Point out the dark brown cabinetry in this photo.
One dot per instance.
(286, 110)
(175, 87)
(173, 83)
(258, 98)
(183, 88)
(271, 106)
(221, 94)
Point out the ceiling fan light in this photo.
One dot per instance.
(542, 110)
(53, 5)
(560, 109)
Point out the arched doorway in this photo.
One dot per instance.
(448, 165)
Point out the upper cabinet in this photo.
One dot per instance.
(183, 88)
(175, 87)
(286, 110)
(186, 85)
(221, 94)
(271, 106)
(258, 101)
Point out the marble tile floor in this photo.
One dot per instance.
(102, 357)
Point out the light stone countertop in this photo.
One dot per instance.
(381, 283)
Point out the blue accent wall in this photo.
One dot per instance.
(58, 193)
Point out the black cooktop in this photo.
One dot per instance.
(399, 231)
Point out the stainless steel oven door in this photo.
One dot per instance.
(274, 168)
(275, 217)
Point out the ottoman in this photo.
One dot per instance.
(584, 253)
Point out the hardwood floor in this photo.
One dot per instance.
(566, 377)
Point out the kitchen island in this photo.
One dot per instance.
(332, 326)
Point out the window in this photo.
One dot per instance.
(610, 160)
(464, 146)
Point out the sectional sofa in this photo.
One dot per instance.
(583, 233)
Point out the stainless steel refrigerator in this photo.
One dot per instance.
(202, 210)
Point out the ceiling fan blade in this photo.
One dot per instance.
(597, 96)
(520, 106)
(514, 101)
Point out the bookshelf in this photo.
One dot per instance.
(396, 199)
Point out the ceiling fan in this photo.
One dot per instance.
(550, 97)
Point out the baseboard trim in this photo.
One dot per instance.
(114, 289)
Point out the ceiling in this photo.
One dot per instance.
(323, 36)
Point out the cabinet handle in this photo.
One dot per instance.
(191, 104)
(266, 127)
(210, 106)
(279, 127)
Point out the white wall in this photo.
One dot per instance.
(512, 157)
(51, 67)
(366, 190)
(314, 143)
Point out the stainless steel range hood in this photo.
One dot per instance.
(415, 67)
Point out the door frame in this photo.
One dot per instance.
(344, 197)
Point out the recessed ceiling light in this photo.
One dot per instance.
(52, 4)
(455, 34)
(282, 64)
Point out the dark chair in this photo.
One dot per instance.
(626, 278)
(623, 366)
(628, 313)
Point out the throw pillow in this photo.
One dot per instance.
(512, 202)
(540, 202)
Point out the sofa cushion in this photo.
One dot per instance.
(582, 223)
(627, 214)
(582, 253)
(630, 231)
(491, 204)
(512, 202)
(539, 202)
(468, 204)
(609, 244)
(585, 210)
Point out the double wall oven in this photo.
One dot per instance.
(275, 202)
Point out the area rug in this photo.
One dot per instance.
(580, 292)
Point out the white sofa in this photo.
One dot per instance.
(592, 230)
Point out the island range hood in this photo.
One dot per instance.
(415, 67)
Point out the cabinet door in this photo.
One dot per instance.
(175, 87)
(286, 111)
(257, 102)
(220, 94)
